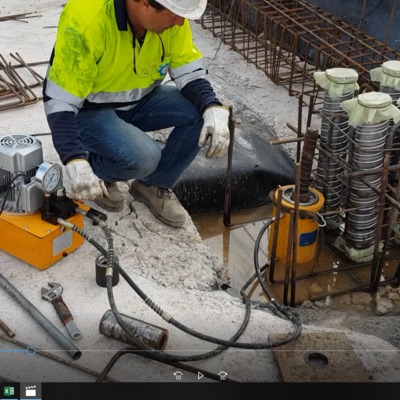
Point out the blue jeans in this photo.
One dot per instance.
(119, 149)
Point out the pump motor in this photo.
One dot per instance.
(20, 157)
(31, 198)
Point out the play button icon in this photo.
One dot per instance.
(199, 375)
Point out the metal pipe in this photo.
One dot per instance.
(150, 334)
(73, 351)
(56, 358)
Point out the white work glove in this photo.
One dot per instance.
(83, 183)
(216, 126)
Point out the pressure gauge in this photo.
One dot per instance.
(48, 177)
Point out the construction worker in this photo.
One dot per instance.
(104, 90)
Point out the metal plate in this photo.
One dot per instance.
(318, 357)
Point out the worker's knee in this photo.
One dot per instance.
(142, 163)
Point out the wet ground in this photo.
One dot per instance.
(327, 280)
(356, 310)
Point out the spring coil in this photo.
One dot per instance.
(334, 135)
(368, 153)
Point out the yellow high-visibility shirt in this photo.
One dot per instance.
(95, 59)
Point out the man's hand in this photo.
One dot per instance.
(216, 126)
(83, 183)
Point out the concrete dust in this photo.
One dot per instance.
(173, 267)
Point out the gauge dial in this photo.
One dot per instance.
(48, 177)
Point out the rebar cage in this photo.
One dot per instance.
(290, 39)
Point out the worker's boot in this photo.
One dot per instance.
(115, 200)
(162, 202)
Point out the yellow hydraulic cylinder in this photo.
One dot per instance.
(307, 228)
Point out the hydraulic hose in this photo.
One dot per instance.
(145, 348)
(167, 317)
(283, 310)
(176, 364)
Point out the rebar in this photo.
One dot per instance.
(291, 39)
(14, 90)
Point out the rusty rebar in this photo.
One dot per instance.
(14, 90)
(228, 181)
(278, 209)
(294, 234)
(377, 266)
(4, 327)
(306, 163)
(291, 40)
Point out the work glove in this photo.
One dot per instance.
(216, 126)
(83, 183)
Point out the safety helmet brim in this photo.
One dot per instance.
(184, 9)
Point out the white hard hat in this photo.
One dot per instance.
(190, 9)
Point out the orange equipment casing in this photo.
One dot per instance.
(37, 242)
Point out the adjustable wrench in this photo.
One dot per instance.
(54, 296)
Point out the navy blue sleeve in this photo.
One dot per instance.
(201, 94)
(65, 135)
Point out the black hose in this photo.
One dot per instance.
(229, 343)
(159, 355)
(283, 310)
(226, 343)
(178, 365)
(141, 345)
